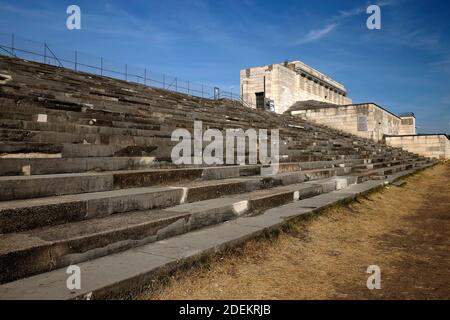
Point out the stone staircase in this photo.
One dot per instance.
(85, 169)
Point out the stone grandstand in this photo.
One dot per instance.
(86, 179)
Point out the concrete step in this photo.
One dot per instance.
(11, 149)
(180, 114)
(19, 215)
(48, 137)
(35, 186)
(41, 250)
(33, 112)
(26, 187)
(42, 142)
(385, 171)
(113, 150)
(127, 272)
(292, 156)
(43, 166)
(68, 127)
(380, 164)
(33, 252)
(22, 148)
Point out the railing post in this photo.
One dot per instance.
(176, 84)
(12, 44)
(202, 90)
(216, 93)
(45, 52)
(164, 81)
(76, 60)
(126, 72)
(145, 76)
(101, 66)
(188, 86)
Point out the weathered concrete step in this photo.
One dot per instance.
(83, 145)
(14, 135)
(70, 127)
(53, 89)
(184, 113)
(31, 112)
(41, 250)
(340, 163)
(29, 148)
(35, 186)
(19, 215)
(387, 158)
(42, 166)
(385, 171)
(22, 215)
(317, 156)
(293, 158)
(127, 272)
(26, 187)
(15, 150)
(112, 150)
(378, 165)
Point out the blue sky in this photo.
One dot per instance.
(405, 66)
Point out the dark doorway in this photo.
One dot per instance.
(260, 100)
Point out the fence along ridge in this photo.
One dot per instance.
(168, 82)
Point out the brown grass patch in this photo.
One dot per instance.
(404, 230)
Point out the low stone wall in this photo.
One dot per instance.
(433, 146)
(366, 120)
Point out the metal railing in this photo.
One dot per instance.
(27, 49)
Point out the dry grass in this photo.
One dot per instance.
(327, 255)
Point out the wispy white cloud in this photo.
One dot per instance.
(336, 20)
(348, 13)
(441, 66)
(316, 34)
(343, 14)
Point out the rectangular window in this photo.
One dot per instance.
(407, 122)
(362, 122)
(260, 97)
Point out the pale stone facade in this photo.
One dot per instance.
(408, 126)
(366, 120)
(371, 121)
(302, 91)
(432, 146)
(286, 83)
